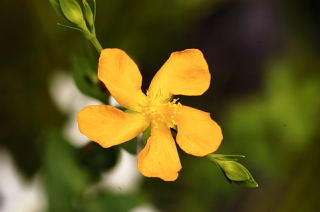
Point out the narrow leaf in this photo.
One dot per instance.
(88, 13)
(234, 170)
(225, 157)
(94, 10)
(248, 183)
(69, 27)
(56, 6)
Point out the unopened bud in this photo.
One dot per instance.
(72, 11)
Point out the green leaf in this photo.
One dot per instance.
(65, 178)
(70, 27)
(72, 11)
(85, 77)
(94, 10)
(226, 157)
(130, 146)
(88, 14)
(56, 6)
(248, 183)
(234, 170)
(146, 135)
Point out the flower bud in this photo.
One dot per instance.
(72, 11)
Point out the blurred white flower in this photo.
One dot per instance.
(16, 194)
(70, 101)
(124, 177)
(113, 102)
(145, 208)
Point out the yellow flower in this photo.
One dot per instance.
(184, 73)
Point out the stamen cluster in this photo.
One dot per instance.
(159, 110)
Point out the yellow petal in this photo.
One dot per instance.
(160, 158)
(197, 134)
(184, 73)
(108, 125)
(122, 77)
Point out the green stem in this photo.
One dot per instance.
(95, 43)
(91, 36)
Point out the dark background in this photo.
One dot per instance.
(264, 60)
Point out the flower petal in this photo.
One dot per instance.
(160, 158)
(197, 134)
(108, 125)
(121, 76)
(184, 73)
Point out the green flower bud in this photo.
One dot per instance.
(72, 11)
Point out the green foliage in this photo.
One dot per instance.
(65, 178)
(130, 146)
(81, 16)
(146, 135)
(283, 119)
(277, 127)
(85, 77)
(112, 202)
(291, 102)
(233, 170)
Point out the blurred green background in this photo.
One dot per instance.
(264, 59)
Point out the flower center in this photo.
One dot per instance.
(158, 110)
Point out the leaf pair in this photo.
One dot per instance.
(233, 170)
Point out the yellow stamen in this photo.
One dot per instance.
(159, 110)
